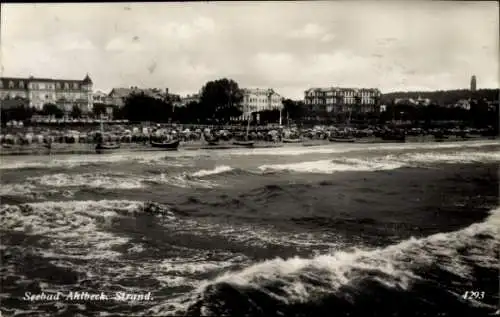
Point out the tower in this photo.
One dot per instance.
(473, 83)
(87, 88)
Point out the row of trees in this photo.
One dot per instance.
(480, 114)
(22, 112)
(443, 97)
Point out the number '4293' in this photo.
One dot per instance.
(473, 295)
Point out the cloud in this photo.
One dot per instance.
(78, 45)
(124, 44)
(288, 46)
(187, 30)
(312, 31)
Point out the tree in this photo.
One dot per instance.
(76, 112)
(188, 113)
(99, 109)
(140, 107)
(444, 97)
(220, 100)
(50, 109)
(269, 116)
(17, 112)
(294, 110)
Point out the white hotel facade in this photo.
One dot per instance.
(259, 99)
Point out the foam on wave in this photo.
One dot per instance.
(217, 170)
(387, 162)
(345, 147)
(156, 158)
(398, 266)
(92, 180)
(65, 221)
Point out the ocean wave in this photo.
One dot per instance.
(388, 162)
(217, 170)
(93, 180)
(68, 221)
(454, 157)
(329, 166)
(16, 189)
(63, 161)
(258, 236)
(37, 186)
(182, 181)
(275, 284)
(345, 147)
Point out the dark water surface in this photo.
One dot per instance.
(340, 230)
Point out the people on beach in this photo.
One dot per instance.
(26, 136)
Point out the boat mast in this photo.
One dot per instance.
(102, 126)
(248, 124)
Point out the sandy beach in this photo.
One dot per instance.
(89, 148)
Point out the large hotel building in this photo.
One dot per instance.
(258, 99)
(340, 100)
(39, 91)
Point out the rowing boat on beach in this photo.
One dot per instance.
(343, 140)
(170, 145)
(292, 140)
(244, 143)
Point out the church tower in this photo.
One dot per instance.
(473, 83)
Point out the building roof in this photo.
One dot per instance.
(125, 92)
(22, 83)
(87, 79)
(326, 89)
(19, 83)
(120, 92)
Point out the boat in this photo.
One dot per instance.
(246, 142)
(107, 146)
(292, 140)
(342, 140)
(394, 137)
(311, 144)
(169, 145)
(213, 143)
(103, 147)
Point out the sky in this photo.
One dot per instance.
(287, 46)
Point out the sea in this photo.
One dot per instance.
(334, 230)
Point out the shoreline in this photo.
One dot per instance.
(89, 148)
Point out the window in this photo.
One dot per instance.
(21, 84)
(66, 86)
(1, 84)
(58, 85)
(75, 85)
(11, 84)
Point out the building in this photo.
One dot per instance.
(473, 83)
(100, 97)
(413, 102)
(463, 104)
(64, 93)
(117, 96)
(258, 100)
(341, 100)
(184, 101)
